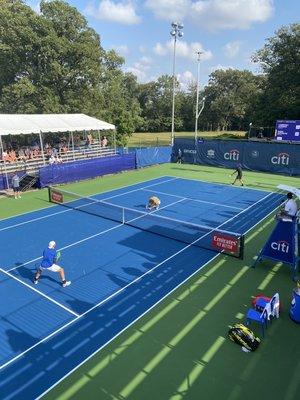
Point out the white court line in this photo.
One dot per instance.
(172, 220)
(141, 188)
(41, 293)
(97, 305)
(224, 184)
(95, 194)
(93, 236)
(69, 245)
(144, 313)
(196, 200)
(69, 210)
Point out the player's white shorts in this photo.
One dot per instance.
(53, 268)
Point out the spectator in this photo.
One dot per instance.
(52, 159)
(4, 156)
(104, 141)
(89, 141)
(16, 186)
(21, 155)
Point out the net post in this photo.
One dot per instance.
(123, 215)
(242, 246)
(49, 194)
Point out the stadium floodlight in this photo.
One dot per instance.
(176, 32)
(197, 114)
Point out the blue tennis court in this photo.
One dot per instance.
(118, 271)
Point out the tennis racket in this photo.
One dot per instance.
(58, 255)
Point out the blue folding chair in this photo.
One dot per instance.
(274, 306)
(260, 317)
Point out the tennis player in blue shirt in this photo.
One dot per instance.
(50, 257)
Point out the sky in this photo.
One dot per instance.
(227, 32)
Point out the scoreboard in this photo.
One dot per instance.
(288, 130)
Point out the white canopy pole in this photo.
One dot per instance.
(73, 150)
(42, 147)
(5, 170)
(99, 144)
(115, 142)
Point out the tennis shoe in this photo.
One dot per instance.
(66, 283)
(35, 281)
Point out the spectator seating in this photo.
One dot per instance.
(81, 152)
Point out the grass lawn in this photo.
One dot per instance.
(180, 350)
(164, 138)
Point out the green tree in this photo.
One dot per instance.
(280, 60)
(156, 103)
(229, 98)
(49, 62)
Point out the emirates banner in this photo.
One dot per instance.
(256, 156)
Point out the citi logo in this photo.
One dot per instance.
(232, 155)
(281, 245)
(188, 151)
(281, 159)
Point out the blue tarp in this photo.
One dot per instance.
(255, 156)
(89, 168)
(3, 181)
(85, 169)
(152, 155)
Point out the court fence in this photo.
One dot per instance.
(282, 158)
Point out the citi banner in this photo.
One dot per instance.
(255, 156)
(281, 243)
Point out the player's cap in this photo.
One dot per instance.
(51, 244)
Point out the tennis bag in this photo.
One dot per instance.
(243, 336)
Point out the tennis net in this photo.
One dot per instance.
(211, 238)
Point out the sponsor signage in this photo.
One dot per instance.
(281, 245)
(288, 130)
(189, 151)
(281, 159)
(210, 153)
(232, 155)
(226, 243)
(56, 197)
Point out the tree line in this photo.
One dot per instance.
(53, 62)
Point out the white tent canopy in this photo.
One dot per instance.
(16, 124)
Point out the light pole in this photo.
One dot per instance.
(197, 93)
(197, 114)
(175, 33)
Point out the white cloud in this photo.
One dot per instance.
(219, 66)
(160, 50)
(214, 15)
(35, 5)
(168, 9)
(183, 50)
(139, 73)
(121, 49)
(185, 79)
(230, 14)
(123, 12)
(141, 68)
(231, 49)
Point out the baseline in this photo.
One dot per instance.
(121, 289)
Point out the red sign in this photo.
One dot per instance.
(225, 243)
(56, 197)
